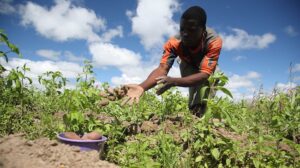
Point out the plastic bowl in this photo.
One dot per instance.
(85, 145)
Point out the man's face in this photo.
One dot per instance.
(190, 32)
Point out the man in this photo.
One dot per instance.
(198, 49)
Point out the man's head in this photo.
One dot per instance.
(192, 26)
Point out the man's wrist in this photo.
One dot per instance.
(141, 86)
(175, 81)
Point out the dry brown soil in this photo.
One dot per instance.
(17, 152)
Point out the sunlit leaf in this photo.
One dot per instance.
(215, 152)
(199, 158)
(226, 91)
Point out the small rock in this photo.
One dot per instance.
(29, 143)
(111, 91)
(104, 102)
(148, 126)
(125, 124)
(54, 143)
(76, 149)
(111, 98)
(103, 94)
(19, 135)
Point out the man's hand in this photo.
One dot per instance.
(167, 83)
(134, 92)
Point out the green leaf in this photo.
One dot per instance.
(2, 54)
(228, 162)
(18, 84)
(9, 83)
(13, 48)
(256, 162)
(29, 79)
(215, 152)
(226, 91)
(199, 158)
(203, 91)
(2, 69)
(21, 75)
(3, 37)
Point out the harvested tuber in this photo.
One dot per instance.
(92, 136)
(71, 135)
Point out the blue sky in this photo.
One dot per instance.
(124, 39)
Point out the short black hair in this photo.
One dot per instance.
(195, 13)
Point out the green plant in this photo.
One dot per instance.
(217, 82)
(76, 121)
(12, 48)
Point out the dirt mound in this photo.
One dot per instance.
(17, 152)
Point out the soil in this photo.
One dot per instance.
(148, 126)
(231, 135)
(105, 118)
(17, 152)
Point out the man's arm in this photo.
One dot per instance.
(150, 82)
(191, 80)
(187, 81)
(207, 67)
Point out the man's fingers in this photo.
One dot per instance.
(137, 99)
(125, 101)
(162, 89)
(129, 86)
(160, 81)
(160, 77)
(131, 101)
(159, 91)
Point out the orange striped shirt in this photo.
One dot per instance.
(205, 57)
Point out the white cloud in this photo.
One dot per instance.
(286, 86)
(239, 57)
(246, 81)
(110, 34)
(139, 72)
(242, 40)
(71, 57)
(133, 74)
(124, 79)
(296, 68)
(63, 21)
(290, 30)
(68, 69)
(129, 13)
(253, 75)
(237, 96)
(50, 54)
(152, 21)
(59, 55)
(242, 87)
(297, 78)
(106, 54)
(6, 7)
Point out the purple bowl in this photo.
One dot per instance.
(85, 145)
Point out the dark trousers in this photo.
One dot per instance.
(196, 104)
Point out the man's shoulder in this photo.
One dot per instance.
(211, 35)
(173, 41)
